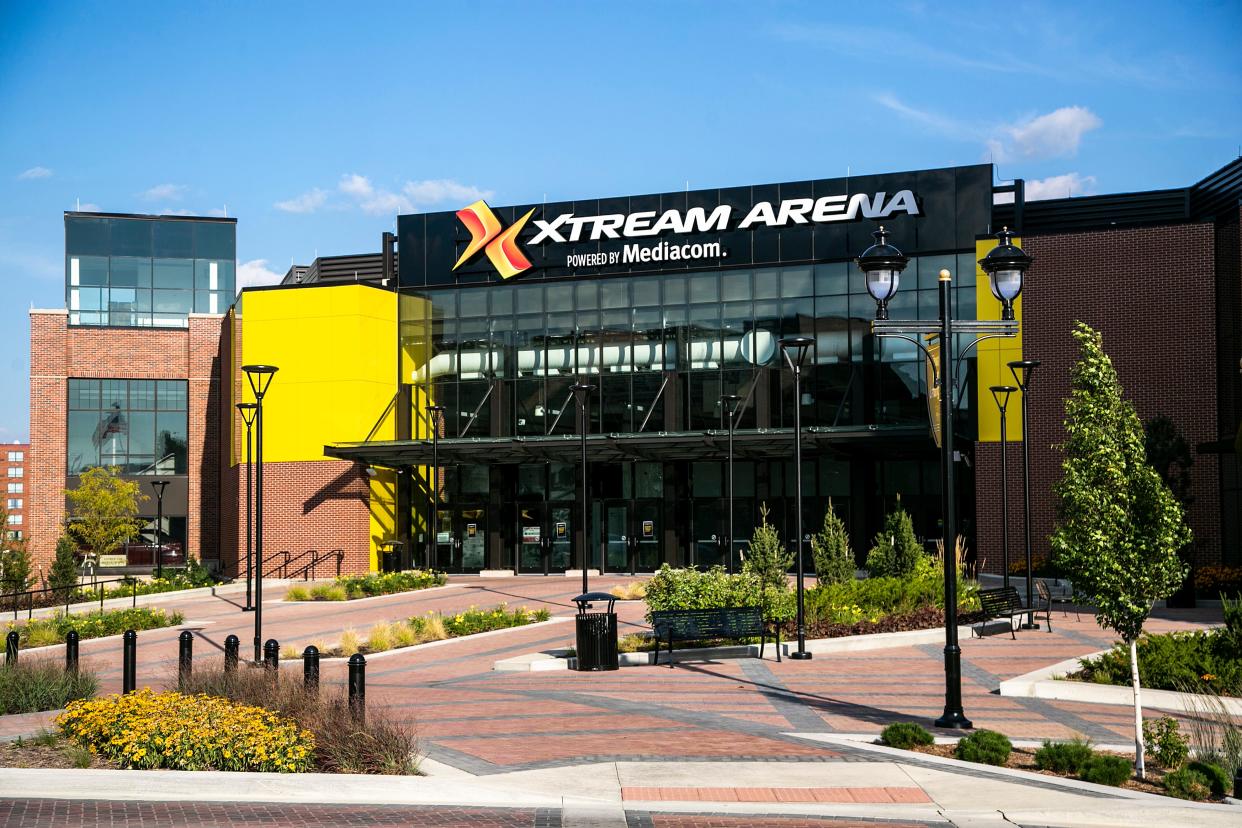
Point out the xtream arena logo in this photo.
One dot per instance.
(501, 245)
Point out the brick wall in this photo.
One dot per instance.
(1148, 290)
(58, 352)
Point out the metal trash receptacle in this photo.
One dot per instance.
(596, 633)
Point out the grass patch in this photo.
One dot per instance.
(390, 635)
(353, 587)
(633, 591)
(33, 686)
(41, 632)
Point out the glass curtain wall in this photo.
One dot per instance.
(139, 426)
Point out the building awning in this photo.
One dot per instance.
(750, 444)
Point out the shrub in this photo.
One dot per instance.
(63, 576)
(674, 589)
(388, 583)
(895, 551)
(1187, 784)
(985, 746)
(53, 629)
(31, 686)
(871, 599)
(193, 576)
(1064, 757)
(475, 620)
(380, 637)
(767, 561)
(15, 568)
(1190, 660)
(379, 743)
(1103, 769)
(834, 562)
(350, 642)
(329, 592)
(906, 735)
(1218, 779)
(1164, 743)
(297, 593)
(179, 732)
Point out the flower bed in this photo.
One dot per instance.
(353, 587)
(168, 730)
(41, 632)
(193, 576)
(423, 629)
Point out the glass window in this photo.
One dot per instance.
(530, 299)
(646, 292)
(796, 281)
(614, 295)
(215, 240)
(16, 471)
(172, 395)
(767, 284)
(16, 456)
(674, 290)
(111, 423)
(735, 286)
(131, 272)
(705, 288)
(86, 236)
(833, 278)
(174, 273)
(88, 271)
(174, 240)
(473, 302)
(131, 237)
(16, 488)
(502, 301)
(559, 298)
(172, 301)
(706, 479)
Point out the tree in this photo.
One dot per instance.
(15, 563)
(768, 562)
(834, 562)
(1169, 453)
(895, 550)
(63, 576)
(103, 510)
(1119, 526)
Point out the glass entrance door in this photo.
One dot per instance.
(545, 537)
(646, 534)
(616, 537)
(707, 534)
(461, 539)
(632, 536)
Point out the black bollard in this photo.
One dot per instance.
(1237, 783)
(358, 686)
(71, 651)
(271, 655)
(185, 656)
(10, 649)
(129, 662)
(310, 669)
(231, 645)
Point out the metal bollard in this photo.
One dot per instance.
(129, 662)
(71, 651)
(231, 645)
(358, 685)
(310, 669)
(271, 655)
(10, 649)
(185, 656)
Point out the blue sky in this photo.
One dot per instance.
(314, 124)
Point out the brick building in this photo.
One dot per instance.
(14, 459)
(491, 315)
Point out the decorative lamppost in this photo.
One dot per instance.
(159, 486)
(728, 405)
(794, 350)
(883, 263)
(1026, 367)
(260, 377)
(582, 393)
(247, 411)
(1001, 393)
(436, 413)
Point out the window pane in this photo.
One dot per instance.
(174, 273)
(174, 239)
(86, 236)
(215, 240)
(130, 272)
(172, 301)
(172, 395)
(142, 394)
(171, 443)
(131, 237)
(92, 270)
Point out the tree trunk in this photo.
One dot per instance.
(1140, 763)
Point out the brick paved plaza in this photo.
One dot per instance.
(473, 721)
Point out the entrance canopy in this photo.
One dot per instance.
(751, 444)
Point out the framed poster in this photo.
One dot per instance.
(648, 529)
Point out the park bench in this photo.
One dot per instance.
(697, 624)
(1004, 602)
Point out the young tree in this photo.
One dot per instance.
(63, 576)
(1169, 453)
(1119, 526)
(768, 562)
(103, 510)
(834, 562)
(895, 550)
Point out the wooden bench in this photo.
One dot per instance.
(697, 624)
(1002, 602)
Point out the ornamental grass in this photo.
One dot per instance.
(42, 632)
(170, 730)
(32, 686)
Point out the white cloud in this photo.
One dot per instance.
(371, 200)
(159, 192)
(933, 120)
(1056, 186)
(88, 207)
(1054, 135)
(256, 272)
(438, 191)
(35, 172)
(307, 202)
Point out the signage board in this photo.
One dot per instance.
(472, 529)
(933, 390)
(531, 534)
(112, 560)
(648, 529)
(562, 530)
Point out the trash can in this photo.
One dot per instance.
(597, 633)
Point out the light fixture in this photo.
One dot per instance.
(883, 264)
(1006, 265)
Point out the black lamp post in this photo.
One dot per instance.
(582, 393)
(794, 350)
(882, 263)
(436, 413)
(159, 486)
(247, 411)
(1022, 370)
(1001, 393)
(260, 377)
(728, 405)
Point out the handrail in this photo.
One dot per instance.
(287, 569)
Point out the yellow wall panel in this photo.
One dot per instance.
(994, 356)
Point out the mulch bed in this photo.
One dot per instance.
(27, 754)
(924, 618)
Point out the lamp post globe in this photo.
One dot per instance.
(882, 263)
(1006, 266)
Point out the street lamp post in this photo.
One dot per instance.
(1001, 393)
(1026, 367)
(159, 486)
(1005, 265)
(247, 411)
(437, 414)
(582, 393)
(729, 404)
(794, 350)
(260, 377)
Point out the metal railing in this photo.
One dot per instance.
(288, 565)
(15, 599)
